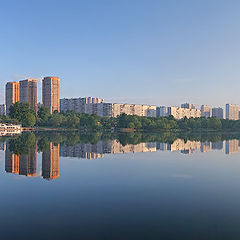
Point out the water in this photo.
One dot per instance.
(120, 187)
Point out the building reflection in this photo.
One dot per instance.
(2, 146)
(11, 161)
(28, 163)
(205, 146)
(185, 147)
(23, 164)
(232, 146)
(217, 145)
(50, 162)
(92, 151)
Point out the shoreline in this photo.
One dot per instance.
(130, 130)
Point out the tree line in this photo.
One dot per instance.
(22, 114)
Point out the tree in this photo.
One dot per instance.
(43, 113)
(215, 123)
(72, 121)
(56, 120)
(18, 110)
(29, 120)
(23, 113)
(22, 143)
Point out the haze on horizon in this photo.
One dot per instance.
(148, 52)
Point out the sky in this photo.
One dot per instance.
(160, 52)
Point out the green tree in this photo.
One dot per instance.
(23, 113)
(22, 143)
(72, 121)
(56, 120)
(29, 120)
(43, 113)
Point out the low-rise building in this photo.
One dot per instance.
(9, 129)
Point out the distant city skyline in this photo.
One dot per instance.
(26, 91)
(128, 100)
(140, 52)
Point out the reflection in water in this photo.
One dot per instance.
(91, 151)
(21, 153)
(26, 163)
(184, 147)
(122, 196)
(217, 145)
(50, 162)
(11, 161)
(2, 146)
(205, 147)
(232, 146)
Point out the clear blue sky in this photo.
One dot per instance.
(160, 52)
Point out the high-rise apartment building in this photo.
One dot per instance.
(51, 93)
(187, 105)
(97, 106)
(28, 93)
(3, 109)
(116, 109)
(217, 113)
(179, 112)
(232, 112)
(11, 94)
(161, 111)
(205, 111)
(80, 105)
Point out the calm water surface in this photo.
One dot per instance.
(55, 189)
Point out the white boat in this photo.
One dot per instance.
(10, 129)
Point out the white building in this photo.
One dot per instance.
(115, 109)
(232, 112)
(10, 129)
(179, 113)
(80, 105)
(205, 111)
(97, 106)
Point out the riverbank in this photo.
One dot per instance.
(178, 132)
